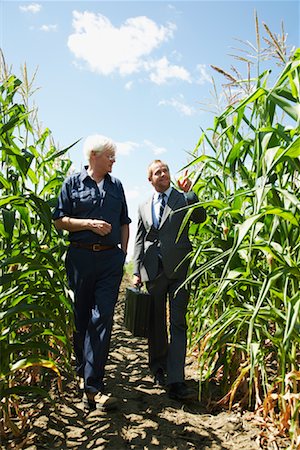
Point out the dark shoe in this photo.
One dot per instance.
(159, 378)
(99, 401)
(182, 393)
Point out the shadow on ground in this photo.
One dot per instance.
(146, 419)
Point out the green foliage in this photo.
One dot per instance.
(245, 263)
(35, 304)
(129, 268)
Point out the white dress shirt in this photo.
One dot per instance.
(156, 202)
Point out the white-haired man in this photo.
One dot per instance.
(93, 209)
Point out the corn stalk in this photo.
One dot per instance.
(35, 305)
(244, 316)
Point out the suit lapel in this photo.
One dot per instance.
(148, 211)
(170, 206)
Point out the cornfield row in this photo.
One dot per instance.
(35, 304)
(244, 317)
(244, 314)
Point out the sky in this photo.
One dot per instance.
(138, 72)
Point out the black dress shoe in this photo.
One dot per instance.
(159, 378)
(100, 401)
(182, 393)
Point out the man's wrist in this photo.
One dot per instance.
(87, 224)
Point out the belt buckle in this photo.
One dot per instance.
(97, 247)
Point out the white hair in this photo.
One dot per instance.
(97, 143)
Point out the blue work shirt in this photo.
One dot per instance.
(80, 198)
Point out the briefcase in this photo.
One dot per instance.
(137, 312)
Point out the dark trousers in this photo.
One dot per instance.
(167, 347)
(95, 279)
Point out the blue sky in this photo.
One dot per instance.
(137, 71)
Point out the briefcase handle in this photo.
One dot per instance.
(139, 288)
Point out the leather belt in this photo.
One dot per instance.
(93, 247)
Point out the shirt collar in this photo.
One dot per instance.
(167, 192)
(84, 174)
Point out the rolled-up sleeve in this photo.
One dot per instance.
(124, 218)
(64, 205)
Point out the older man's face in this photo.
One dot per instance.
(160, 178)
(104, 160)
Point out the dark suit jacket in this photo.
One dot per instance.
(152, 244)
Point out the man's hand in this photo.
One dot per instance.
(73, 224)
(184, 183)
(100, 227)
(136, 281)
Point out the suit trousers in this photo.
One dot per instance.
(167, 345)
(95, 279)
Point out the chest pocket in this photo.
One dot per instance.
(113, 203)
(83, 201)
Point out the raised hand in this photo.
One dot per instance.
(184, 182)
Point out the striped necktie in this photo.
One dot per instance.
(162, 198)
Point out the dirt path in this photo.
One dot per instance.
(147, 418)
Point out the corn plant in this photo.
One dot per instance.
(244, 316)
(35, 305)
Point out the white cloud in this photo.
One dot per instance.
(174, 9)
(176, 55)
(180, 105)
(48, 28)
(128, 86)
(154, 148)
(107, 49)
(162, 71)
(203, 74)
(32, 8)
(126, 148)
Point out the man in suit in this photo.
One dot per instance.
(160, 261)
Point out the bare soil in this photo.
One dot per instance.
(146, 419)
